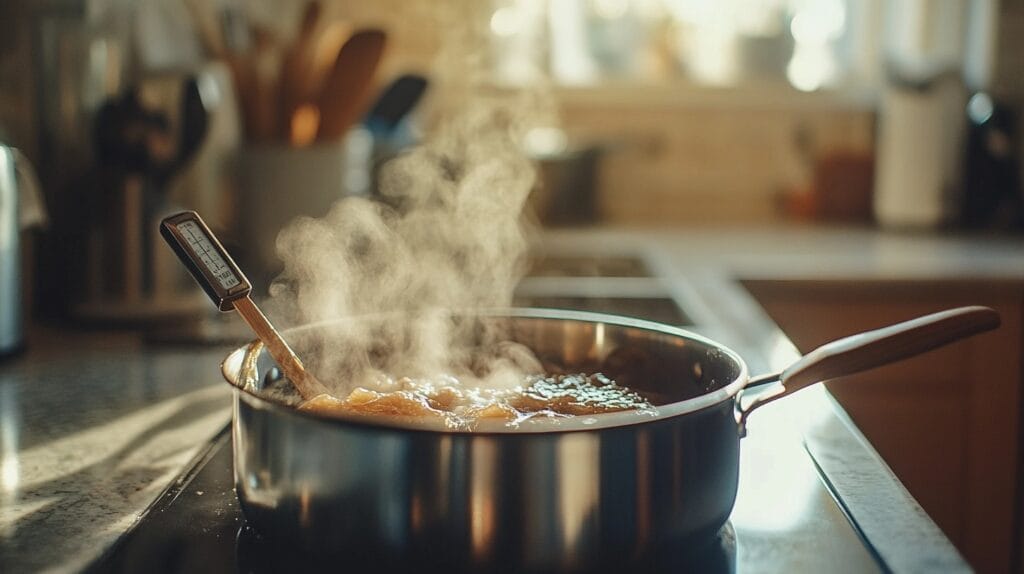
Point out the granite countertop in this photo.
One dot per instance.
(94, 425)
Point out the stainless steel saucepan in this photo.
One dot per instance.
(609, 492)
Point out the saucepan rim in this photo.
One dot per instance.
(231, 369)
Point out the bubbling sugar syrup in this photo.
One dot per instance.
(460, 407)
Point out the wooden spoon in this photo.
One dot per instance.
(295, 81)
(264, 92)
(344, 93)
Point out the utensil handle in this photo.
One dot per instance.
(278, 348)
(863, 351)
(870, 349)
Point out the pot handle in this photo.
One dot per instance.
(867, 350)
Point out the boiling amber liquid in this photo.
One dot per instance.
(459, 406)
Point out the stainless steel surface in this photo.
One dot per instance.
(11, 327)
(607, 492)
(21, 208)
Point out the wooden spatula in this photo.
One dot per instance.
(296, 76)
(344, 93)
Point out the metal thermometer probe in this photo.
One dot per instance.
(224, 282)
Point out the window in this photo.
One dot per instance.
(809, 44)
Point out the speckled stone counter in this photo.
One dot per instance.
(93, 426)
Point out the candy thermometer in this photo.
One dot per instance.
(224, 282)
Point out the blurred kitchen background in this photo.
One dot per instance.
(902, 116)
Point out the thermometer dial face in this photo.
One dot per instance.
(206, 254)
(205, 258)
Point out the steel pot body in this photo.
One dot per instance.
(604, 493)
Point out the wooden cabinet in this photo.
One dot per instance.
(948, 422)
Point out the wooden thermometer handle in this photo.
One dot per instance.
(278, 348)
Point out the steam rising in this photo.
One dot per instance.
(446, 235)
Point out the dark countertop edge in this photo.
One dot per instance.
(880, 508)
(166, 497)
